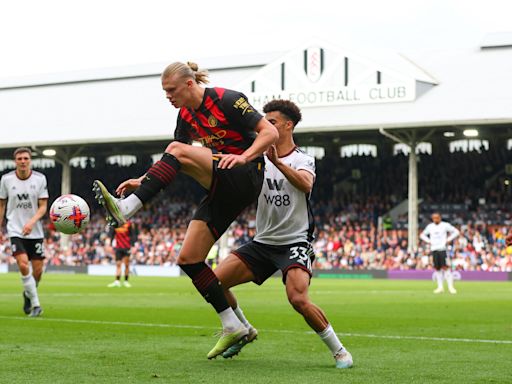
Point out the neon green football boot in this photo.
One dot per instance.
(236, 348)
(115, 217)
(227, 339)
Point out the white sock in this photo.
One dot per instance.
(240, 314)
(29, 283)
(229, 320)
(129, 205)
(331, 340)
(439, 278)
(449, 278)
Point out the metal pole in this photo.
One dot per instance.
(65, 188)
(413, 198)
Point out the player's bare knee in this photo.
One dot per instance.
(183, 259)
(23, 267)
(298, 301)
(178, 150)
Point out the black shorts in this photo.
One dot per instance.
(264, 260)
(231, 192)
(32, 247)
(122, 253)
(439, 259)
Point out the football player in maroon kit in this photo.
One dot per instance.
(124, 237)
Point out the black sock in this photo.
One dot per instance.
(126, 278)
(207, 284)
(159, 176)
(118, 277)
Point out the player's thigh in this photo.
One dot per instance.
(297, 284)
(23, 263)
(197, 243)
(197, 162)
(232, 271)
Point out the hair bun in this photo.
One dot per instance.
(193, 66)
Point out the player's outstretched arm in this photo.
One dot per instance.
(129, 185)
(267, 135)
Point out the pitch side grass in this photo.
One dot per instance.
(160, 330)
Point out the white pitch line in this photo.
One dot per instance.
(98, 294)
(182, 326)
(427, 338)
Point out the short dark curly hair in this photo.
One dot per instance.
(286, 107)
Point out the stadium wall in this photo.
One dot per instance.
(174, 271)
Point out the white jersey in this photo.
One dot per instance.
(437, 235)
(284, 214)
(22, 202)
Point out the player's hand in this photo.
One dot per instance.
(128, 186)
(27, 228)
(272, 154)
(508, 239)
(228, 160)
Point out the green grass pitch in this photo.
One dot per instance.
(160, 331)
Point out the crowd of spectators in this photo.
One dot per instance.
(470, 191)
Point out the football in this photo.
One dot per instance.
(70, 214)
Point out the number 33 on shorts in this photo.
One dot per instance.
(304, 255)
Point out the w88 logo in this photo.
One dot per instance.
(278, 200)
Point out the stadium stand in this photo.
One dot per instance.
(347, 208)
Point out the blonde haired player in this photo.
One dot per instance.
(229, 165)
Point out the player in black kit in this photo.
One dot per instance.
(229, 164)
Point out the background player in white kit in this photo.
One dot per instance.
(25, 195)
(284, 231)
(439, 234)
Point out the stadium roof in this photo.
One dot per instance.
(443, 89)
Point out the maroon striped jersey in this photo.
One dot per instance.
(124, 236)
(225, 121)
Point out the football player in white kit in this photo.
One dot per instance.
(284, 231)
(23, 200)
(439, 234)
